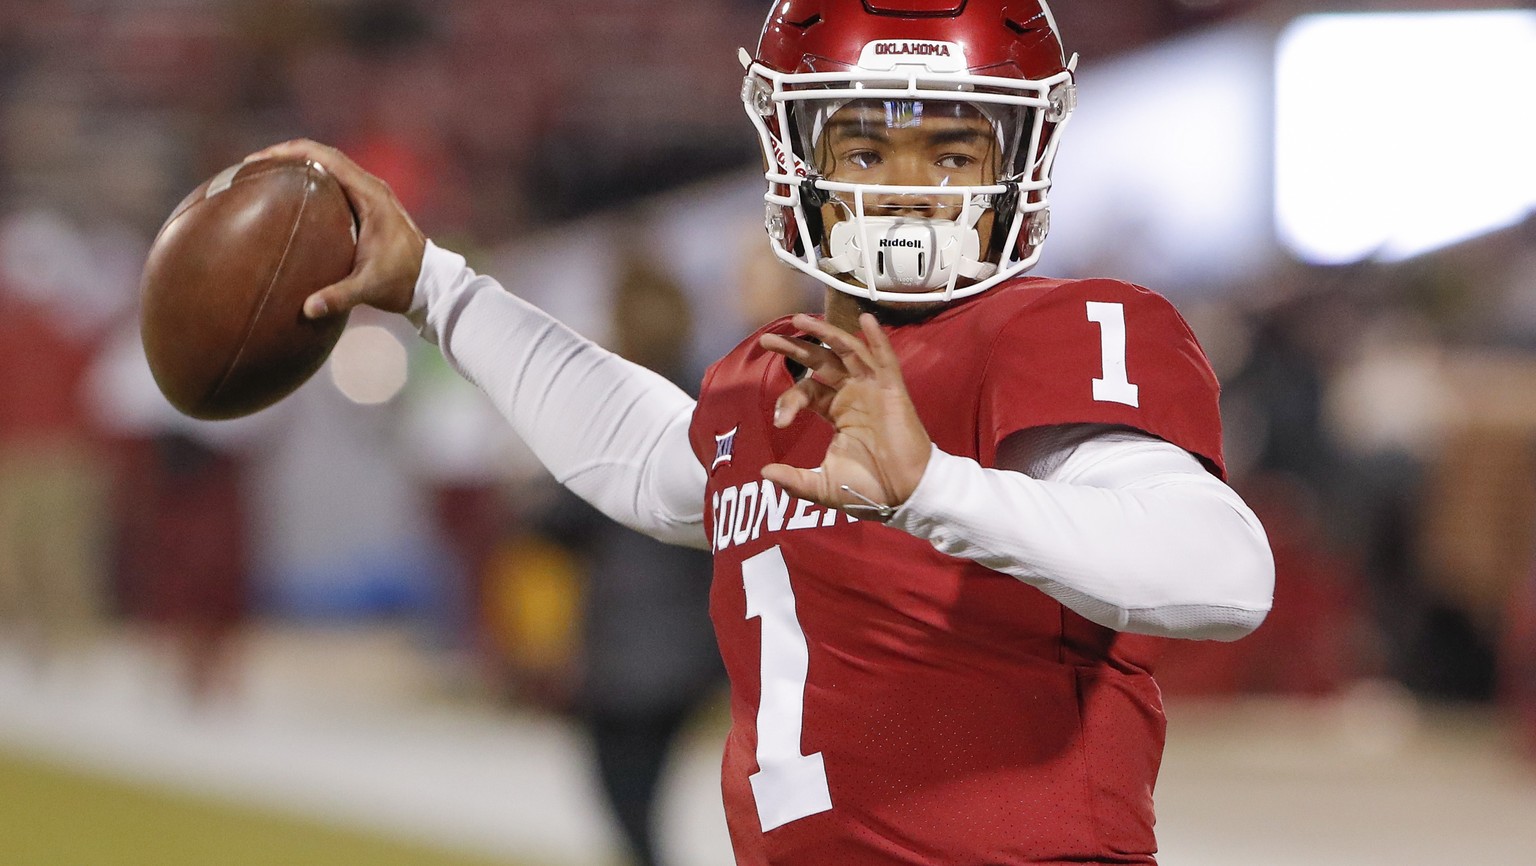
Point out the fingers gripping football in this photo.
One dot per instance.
(389, 246)
(880, 449)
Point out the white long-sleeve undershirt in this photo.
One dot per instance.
(1126, 530)
(613, 432)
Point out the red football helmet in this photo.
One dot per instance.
(909, 142)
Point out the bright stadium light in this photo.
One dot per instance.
(368, 365)
(1398, 133)
(1168, 154)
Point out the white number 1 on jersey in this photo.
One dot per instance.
(787, 785)
(1116, 386)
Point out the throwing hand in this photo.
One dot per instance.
(880, 450)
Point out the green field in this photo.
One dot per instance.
(57, 817)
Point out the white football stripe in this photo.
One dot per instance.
(223, 180)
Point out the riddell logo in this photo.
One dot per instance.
(913, 49)
(900, 242)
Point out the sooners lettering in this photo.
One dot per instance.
(746, 511)
(913, 49)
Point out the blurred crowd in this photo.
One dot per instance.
(489, 119)
(1381, 417)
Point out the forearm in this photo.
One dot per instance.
(613, 432)
(1127, 536)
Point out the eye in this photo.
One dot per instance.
(863, 159)
(956, 161)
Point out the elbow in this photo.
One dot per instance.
(1249, 589)
(1216, 622)
(1258, 584)
(1250, 593)
(1232, 624)
(1245, 599)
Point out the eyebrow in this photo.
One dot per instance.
(875, 132)
(856, 129)
(953, 136)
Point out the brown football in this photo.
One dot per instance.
(224, 287)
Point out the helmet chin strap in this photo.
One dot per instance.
(909, 254)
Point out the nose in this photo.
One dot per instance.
(906, 172)
(930, 205)
(897, 204)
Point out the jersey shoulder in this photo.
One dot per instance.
(745, 365)
(1094, 351)
(733, 387)
(1005, 306)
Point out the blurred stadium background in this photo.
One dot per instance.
(354, 628)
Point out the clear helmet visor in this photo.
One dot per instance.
(938, 143)
(908, 188)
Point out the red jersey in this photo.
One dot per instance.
(891, 704)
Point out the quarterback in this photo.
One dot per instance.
(954, 515)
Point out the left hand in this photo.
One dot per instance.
(880, 450)
(389, 246)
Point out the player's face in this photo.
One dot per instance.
(907, 143)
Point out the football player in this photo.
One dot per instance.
(954, 516)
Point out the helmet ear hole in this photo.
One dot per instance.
(811, 200)
(1003, 211)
